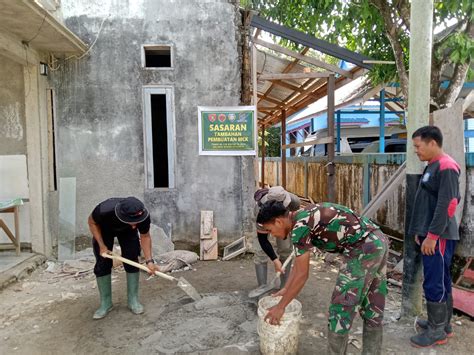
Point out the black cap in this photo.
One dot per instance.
(131, 210)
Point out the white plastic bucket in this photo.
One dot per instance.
(279, 339)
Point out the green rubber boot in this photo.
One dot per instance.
(337, 343)
(132, 292)
(104, 284)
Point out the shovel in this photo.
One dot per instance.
(270, 286)
(182, 283)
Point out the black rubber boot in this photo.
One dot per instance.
(372, 340)
(261, 271)
(337, 343)
(434, 334)
(423, 323)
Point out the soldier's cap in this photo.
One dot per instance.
(277, 193)
(131, 210)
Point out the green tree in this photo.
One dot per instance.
(380, 29)
(272, 142)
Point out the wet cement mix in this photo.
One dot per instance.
(217, 321)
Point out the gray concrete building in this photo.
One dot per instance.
(29, 34)
(126, 113)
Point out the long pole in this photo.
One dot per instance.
(263, 155)
(331, 188)
(338, 130)
(421, 19)
(382, 122)
(283, 150)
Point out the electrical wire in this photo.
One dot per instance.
(38, 32)
(50, 65)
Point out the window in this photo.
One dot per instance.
(157, 57)
(159, 137)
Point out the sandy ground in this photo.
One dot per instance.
(51, 313)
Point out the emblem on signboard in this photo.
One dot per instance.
(221, 117)
(212, 117)
(242, 117)
(232, 117)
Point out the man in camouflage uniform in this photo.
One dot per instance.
(361, 284)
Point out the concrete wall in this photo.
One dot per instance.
(12, 108)
(100, 110)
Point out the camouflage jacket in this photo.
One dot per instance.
(329, 227)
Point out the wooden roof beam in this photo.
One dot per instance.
(291, 76)
(286, 70)
(271, 100)
(304, 58)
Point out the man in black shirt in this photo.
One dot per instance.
(434, 226)
(263, 249)
(123, 218)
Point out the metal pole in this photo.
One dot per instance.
(331, 169)
(338, 128)
(283, 150)
(382, 122)
(263, 156)
(421, 19)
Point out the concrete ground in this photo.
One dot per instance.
(50, 312)
(14, 267)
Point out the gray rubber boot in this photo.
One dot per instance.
(132, 292)
(337, 343)
(261, 271)
(435, 334)
(104, 285)
(372, 340)
(284, 277)
(423, 323)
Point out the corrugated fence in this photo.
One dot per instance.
(358, 179)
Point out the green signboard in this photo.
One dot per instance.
(227, 130)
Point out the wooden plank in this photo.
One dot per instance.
(8, 232)
(207, 223)
(392, 184)
(291, 76)
(16, 212)
(324, 140)
(209, 247)
(304, 58)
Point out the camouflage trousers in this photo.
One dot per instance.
(361, 285)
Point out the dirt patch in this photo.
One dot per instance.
(53, 315)
(216, 321)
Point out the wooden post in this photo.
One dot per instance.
(283, 150)
(263, 156)
(255, 101)
(331, 188)
(254, 76)
(17, 229)
(246, 65)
